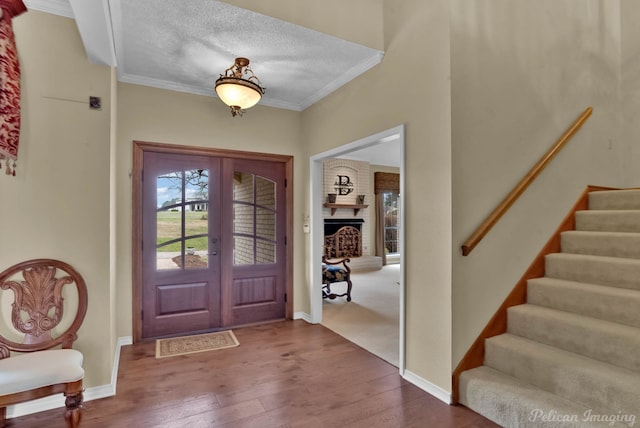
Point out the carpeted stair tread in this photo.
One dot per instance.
(574, 347)
(613, 304)
(601, 340)
(628, 199)
(608, 220)
(588, 382)
(612, 271)
(512, 403)
(608, 244)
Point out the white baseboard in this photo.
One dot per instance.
(427, 386)
(57, 401)
(302, 316)
(122, 341)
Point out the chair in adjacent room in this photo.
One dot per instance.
(36, 359)
(335, 271)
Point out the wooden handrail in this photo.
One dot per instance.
(493, 218)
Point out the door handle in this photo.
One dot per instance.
(214, 247)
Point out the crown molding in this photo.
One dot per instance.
(343, 79)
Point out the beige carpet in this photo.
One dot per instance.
(196, 343)
(371, 319)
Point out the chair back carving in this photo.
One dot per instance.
(37, 307)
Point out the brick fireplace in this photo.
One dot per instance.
(357, 174)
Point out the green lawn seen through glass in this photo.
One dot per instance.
(168, 224)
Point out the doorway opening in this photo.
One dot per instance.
(392, 143)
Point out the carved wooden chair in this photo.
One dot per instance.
(332, 272)
(35, 369)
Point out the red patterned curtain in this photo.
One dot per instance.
(9, 86)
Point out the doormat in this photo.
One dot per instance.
(184, 345)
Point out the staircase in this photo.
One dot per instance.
(571, 354)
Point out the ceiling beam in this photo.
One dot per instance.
(93, 19)
(55, 7)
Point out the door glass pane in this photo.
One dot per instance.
(265, 193)
(265, 252)
(265, 224)
(182, 219)
(243, 250)
(243, 187)
(168, 219)
(196, 253)
(243, 219)
(254, 219)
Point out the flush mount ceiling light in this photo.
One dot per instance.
(239, 93)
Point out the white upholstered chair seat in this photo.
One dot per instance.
(37, 369)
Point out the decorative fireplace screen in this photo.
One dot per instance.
(346, 242)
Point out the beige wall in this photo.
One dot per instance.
(630, 90)
(411, 87)
(57, 206)
(161, 116)
(522, 71)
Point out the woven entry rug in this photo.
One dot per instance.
(184, 345)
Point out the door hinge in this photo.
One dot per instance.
(142, 175)
(141, 245)
(285, 297)
(142, 314)
(285, 240)
(285, 182)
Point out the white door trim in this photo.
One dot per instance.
(317, 223)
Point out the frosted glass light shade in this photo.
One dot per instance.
(237, 92)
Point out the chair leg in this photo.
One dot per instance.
(3, 415)
(349, 289)
(73, 413)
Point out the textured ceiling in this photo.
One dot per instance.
(185, 45)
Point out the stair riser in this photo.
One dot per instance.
(605, 303)
(609, 221)
(590, 388)
(606, 244)
(615, 200)
(615, 273)
(601, 340)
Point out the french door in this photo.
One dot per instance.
(213, 243)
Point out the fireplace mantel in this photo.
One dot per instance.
(356, 208)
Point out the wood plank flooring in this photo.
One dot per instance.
(285, 374)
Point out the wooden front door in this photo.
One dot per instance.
(213, 243)
(181, 231)
(254, 228)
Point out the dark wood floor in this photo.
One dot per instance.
(287, 374)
